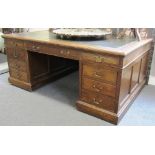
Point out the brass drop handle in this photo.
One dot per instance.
(61, 51)
(98, 75)
(97, 89)
(15, 54)
(37, 48)
(99, 59)
(33, 47)
(68, 52)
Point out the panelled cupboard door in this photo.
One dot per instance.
(135, 75)
(125, 84)
(143, 70)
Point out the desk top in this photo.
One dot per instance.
(110, 46)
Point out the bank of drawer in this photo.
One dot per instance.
(100, 58)
(98, 87)
(15, 53)
(95, 72)
(98, 100)
(22, 76)
(16, 64)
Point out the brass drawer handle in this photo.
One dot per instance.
(99, 59)
(98, 75)
(96, 89)
(37, 48)
(15, 54)
(68, 52)
(61, 51)
(33, 47)
(65, 52)
(96, 102)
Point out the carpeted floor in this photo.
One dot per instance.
(3, 58)
(54, 104)
(3, 63)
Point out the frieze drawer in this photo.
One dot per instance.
(14, 43)
(63, 52)
(34, 46)
(100, 59)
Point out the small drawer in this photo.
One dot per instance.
(16, 53)
(62, 52)
(98, 100)
(29, 45)
(14, 73)
(97, 72)
(14, 43)
(19, 65)
(9, 43)
(19, 44)
(69, 53)
(98, 87)
(100, 58)
(34, 46)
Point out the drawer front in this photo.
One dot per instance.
(100, 101)
(34, 46)
(101, 59)
(106, 75)
(69, 53)
(16, 64)
(19, 44)
(14, 53)
(56, 51)
(14, 43)
(62, 52)
(98, 87)
(14, 73)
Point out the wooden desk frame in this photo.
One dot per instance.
(110, 78)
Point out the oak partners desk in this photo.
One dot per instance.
(111, 72)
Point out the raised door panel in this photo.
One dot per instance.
(143, 68)
(135, 75)
(125, 84)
